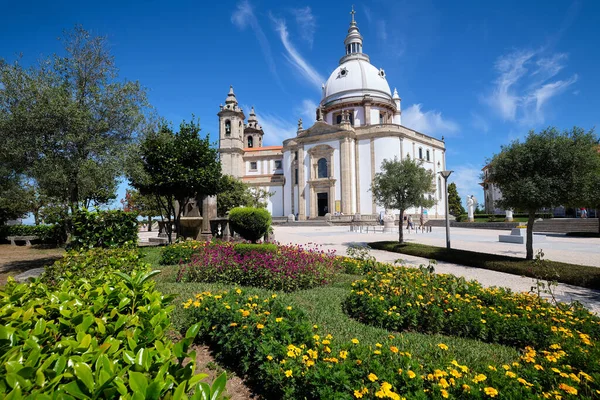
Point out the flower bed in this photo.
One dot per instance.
(559, 342)
(289, 268)
(95, 333)
(275, 346)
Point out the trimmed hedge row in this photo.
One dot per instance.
(251, 223)
(113, 228)
(573, 274)
(94, 332)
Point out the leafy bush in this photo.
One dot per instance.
(46, 233)
(248, 248)
(102, 336)
(462, 218)
(251, 223)
(179, 252)
(88, 264)
(290, 268)
(114, 228)
(580, 275)
(273, 344)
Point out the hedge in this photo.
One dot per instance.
(46, 233)
(250, 223)
(113, 228)
(573, 274)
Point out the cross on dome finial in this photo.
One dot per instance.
(352, 13)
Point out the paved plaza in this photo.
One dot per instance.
(584, 251)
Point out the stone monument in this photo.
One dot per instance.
(388, 222)
(471, 208)
(509, 215)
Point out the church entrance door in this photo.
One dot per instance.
(322, 203)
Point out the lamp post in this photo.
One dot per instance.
(445, 175)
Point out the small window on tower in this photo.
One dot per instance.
(277, 164)
(227, 128)
(296, 176)
(253, 166)
(250, 142)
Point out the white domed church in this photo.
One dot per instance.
(329, 166)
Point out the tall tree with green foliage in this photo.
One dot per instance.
(454, 201)
(66, 122)
(176, 167)
(143, 205)
(401, 185)
(14, 194)
(233, 193)
(548, 169)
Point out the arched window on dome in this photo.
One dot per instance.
(322, 168)
(381, 118)
(420, 153)
(250, 141)
(227, 128)
(338, 119)
(348, 51)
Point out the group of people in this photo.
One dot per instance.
(410, 225)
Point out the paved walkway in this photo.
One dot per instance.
(584, 251)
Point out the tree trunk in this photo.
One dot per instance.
(401, 227)
(149, 223)
(529, 242)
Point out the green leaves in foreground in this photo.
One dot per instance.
(97, 336)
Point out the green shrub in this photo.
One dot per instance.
(47, 233)
(87, 264)
(251, 223)
(249, 248)
(101, 336)
(113, 228)
(178, 253)
(462, 218)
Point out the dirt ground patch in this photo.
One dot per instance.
(17, 259)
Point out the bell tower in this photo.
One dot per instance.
(231, 136)
(253, 134)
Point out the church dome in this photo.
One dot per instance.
(356, 77)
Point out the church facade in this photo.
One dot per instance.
(329, 166)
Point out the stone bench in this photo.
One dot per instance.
(26, 239)
(518, 235)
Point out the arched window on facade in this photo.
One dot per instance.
(227, 128)
(427, 155)
(381, 119)
(250, 141)
(420, 153)
(338, 119)
(322, 168)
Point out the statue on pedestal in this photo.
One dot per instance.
(471, 207)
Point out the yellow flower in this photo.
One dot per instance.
(483, 321)
(233, 324)
(479, 378)
(355, 341)
(196, 303)
(238, 291)
(278, 319)
(411, 374)
(377, 344)
(377, 352)
(393, 349)
(490, 391)
(538, 367)
(443, 346)
(288, 373)
(343, 354)
(466, 388)
(270, 357)
(372, 377)
(567, 388)
(444, 393)
(260, 326)
(358, 394)
(289, 308)
(511, 374)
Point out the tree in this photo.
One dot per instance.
(144, 205)
(454, 201)
(402, 185)
(175, 168)
(546, 170)
(13, 196)
(233, 193)
(66, 122)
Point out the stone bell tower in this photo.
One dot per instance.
(231, 136)
(253, 133)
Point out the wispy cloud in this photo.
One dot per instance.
(244, 16)
(307, 24)
(429, 122)
(467, 178)
(294, 57)
(307, 111)
(525, 84)
(276, 128)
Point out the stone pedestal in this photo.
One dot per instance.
(291, 218)
(509, 215)
(209, 211)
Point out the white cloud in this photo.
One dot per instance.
(244, 16)
(308, 112)
(294, 57)
(523, 86)
(467, 178)
(428, 122)
(306, 23)
(276, 129)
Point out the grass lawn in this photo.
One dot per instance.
(579, 275)
(323, 305)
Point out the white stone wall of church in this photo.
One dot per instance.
(364, 175)
(288, 175)
(250, 171)
(275, 202)
(336, 169)
(359, 116)
(386, 148)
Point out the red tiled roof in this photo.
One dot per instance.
(263, 148)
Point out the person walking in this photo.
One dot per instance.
(409, 225)
(422, 222)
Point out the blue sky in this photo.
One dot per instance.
(478, 73)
